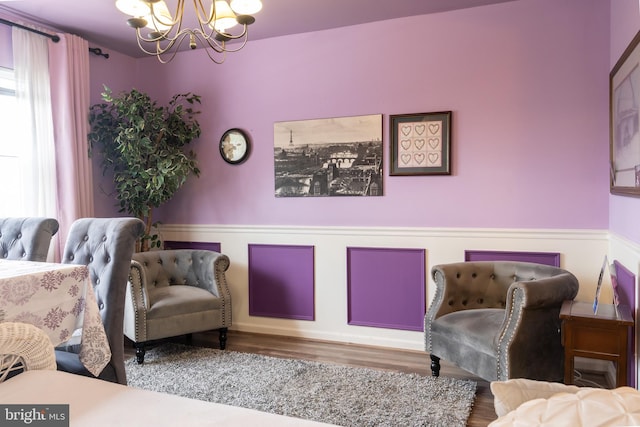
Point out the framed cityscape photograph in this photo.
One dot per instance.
(340, 156)
(624, 135)
(420, 144)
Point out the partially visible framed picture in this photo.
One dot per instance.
(624, 129)
(420, 144)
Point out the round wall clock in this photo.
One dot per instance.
(234, 146)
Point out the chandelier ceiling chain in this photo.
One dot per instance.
(160, 33)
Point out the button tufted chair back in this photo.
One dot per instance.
(105, 246)
(26, 239)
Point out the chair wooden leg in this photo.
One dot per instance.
(223, 338)
(140, 352)
(435, 365)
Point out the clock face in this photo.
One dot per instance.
(234, 146)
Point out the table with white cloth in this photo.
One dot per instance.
(59, 299)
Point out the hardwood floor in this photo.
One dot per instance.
(409, 361)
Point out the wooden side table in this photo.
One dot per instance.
(596, 336)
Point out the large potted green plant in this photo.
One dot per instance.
(143, 145)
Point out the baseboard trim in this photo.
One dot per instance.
(329, 336)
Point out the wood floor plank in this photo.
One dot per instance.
(408, 361)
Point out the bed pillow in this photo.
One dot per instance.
(510, 394)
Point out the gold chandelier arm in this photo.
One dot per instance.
(160, 52)
(204, 17)
(217, 61)
(176, 18)
(211, 33)
(225, 46)
(207, 43)
(156, 42)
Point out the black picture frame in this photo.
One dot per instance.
(420, 143)
(624, 122)
(235, 146)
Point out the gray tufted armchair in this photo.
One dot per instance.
(105, 246)
(176, 292)
(26, 239)
(499, 319)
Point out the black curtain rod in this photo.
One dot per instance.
(53, 37)
(98, 51)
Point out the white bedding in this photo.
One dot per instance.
(96, 403)
(587, 407)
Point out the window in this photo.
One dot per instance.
(11, 146)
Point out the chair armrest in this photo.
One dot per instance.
(209, 268)
(532, 320)
(137, 286)
(136, 303)
(550, 291)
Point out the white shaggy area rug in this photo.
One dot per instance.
(330, 393)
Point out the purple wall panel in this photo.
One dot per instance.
(547, 258)
(207, 246)
(281, 281)
(386, 288)
(627, 296)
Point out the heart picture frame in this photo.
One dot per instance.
(420, 143)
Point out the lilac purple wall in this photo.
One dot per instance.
(117, 73)
(529, 94)
(625, 23)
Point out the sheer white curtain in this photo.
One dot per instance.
(52, 89)
(33, 94)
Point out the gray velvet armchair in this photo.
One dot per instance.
(176, 292)
(26, 239)
(499, 320)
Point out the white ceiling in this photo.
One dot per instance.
(100, 22)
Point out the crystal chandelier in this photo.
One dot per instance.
(161, 34)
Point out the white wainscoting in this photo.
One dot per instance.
(582, 252)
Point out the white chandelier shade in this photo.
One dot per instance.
(161, 33)
(246, 7)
